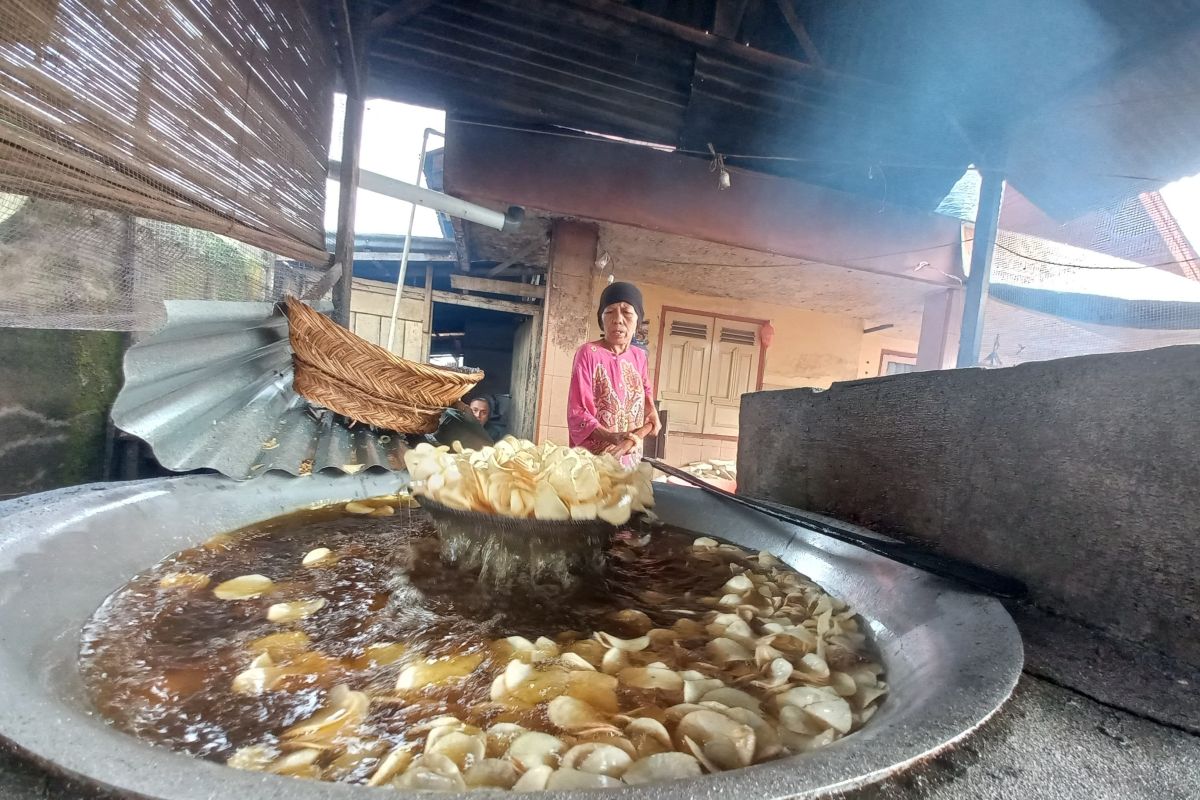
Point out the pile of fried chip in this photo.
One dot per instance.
(517, 478)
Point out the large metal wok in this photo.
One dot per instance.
(952, 658)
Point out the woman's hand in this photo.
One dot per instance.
(610, 439)
(626, 446)
(652, 420)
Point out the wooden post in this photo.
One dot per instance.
(987, 220)
(427, 323)
(941, 321)
(355, 62)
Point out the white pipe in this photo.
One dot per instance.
(382, 184)
(412, 215)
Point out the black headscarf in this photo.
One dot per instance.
(620, 292)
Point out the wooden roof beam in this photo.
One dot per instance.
(800, 32)
(727, 17)
(349, 46)
(685, 33)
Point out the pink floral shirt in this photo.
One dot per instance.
(607, 391)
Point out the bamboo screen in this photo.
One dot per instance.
(210, 114)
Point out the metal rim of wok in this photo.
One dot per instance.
(951, 658)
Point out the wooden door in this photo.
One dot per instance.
(683, 374)
(733, 370)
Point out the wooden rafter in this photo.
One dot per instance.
(399, 14)
(347, 47)
(727, 17)
(518, 257)
(800, 32)
(488, 285)
(528, 309)
(462, 251)
(694, 36)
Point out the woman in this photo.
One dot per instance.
(610, 408)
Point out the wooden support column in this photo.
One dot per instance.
(569, 319)
(351, 41)
(941, 321)
(987, 220)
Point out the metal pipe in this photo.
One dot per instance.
(382, 184)
(412, 215)
(987, 220)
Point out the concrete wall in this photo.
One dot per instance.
(873, 345)
(1078, 476)
(810, 348)
(56, 388)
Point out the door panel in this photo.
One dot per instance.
(685, 368)
(734, 371)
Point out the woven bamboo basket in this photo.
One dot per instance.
(345, 373)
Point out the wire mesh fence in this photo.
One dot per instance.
(1123, 277)
(63, 265)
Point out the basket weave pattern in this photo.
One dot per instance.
(347, 374)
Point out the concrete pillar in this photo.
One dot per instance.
(941, 326)
(569, 312)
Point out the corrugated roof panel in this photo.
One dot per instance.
(539, 61)
(1131, 134)
(846, 134)
(213, 390)
(922, 87)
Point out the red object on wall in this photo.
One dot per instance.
(768, 334)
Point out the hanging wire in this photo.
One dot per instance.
(618, 140)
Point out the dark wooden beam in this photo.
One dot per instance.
(487, 285)
(347, 50)
(695, 36)
(528, 309)
(518, 257)
(427, 322)
(462, 251)
(343, 247)
(399, 14)
(413, 257)
(727, 17)
(800, 32)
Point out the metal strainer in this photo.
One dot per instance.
(510, 551)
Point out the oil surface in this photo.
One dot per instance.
(160, 657)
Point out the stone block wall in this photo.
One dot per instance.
(1080, 476)
(56, 389)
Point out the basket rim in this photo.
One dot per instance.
(305, 323)
(536, 525)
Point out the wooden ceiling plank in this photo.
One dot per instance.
(399, 14)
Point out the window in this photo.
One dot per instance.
(892, 362)
(707, 363)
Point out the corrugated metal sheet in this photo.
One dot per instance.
(1131, 133)
(213, 390)
(934, 85)
(538, 61)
